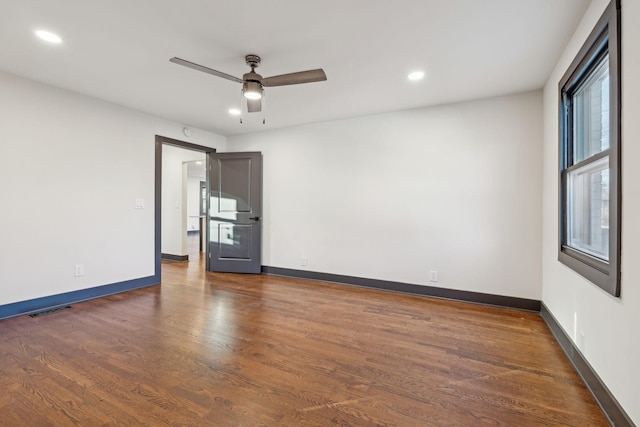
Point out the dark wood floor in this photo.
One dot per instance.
(242, 350)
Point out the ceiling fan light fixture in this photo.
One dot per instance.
(252, 90)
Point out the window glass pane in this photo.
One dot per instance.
(591, 114)
(588, 209)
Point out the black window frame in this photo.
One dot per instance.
(605, 38)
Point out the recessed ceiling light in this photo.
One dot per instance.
(234, 111)
(48, 36)
(416, 75)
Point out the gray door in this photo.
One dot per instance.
(235, 213)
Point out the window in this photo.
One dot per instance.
(590, 157)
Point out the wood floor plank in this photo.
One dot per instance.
(213, 349)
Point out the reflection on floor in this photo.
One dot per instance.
(193, 246)
(220, 349)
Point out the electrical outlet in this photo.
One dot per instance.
(303, 261)
(78, 270)
(433, 276)
(139, 203)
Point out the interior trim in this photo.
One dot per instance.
(178, 258)
(53, 301)
(408, 288)
(159, 141)
(610, 406)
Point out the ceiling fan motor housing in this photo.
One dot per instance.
(253, 61)
(252, 85)
(252, 89)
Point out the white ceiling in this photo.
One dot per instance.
(119, 50)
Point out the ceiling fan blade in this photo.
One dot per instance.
(205, 69)
(295, 78)
(254, 105)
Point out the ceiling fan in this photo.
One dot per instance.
(253, 83)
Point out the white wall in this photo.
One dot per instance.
(610, 325)
(175, 193)
(193, 201)
(454, 188)
(85, 162)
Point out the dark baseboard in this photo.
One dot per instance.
(610, 406)
(53, 301)
(178, 258)
(430, 291)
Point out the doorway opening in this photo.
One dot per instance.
(181, 188)
(194, 212)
